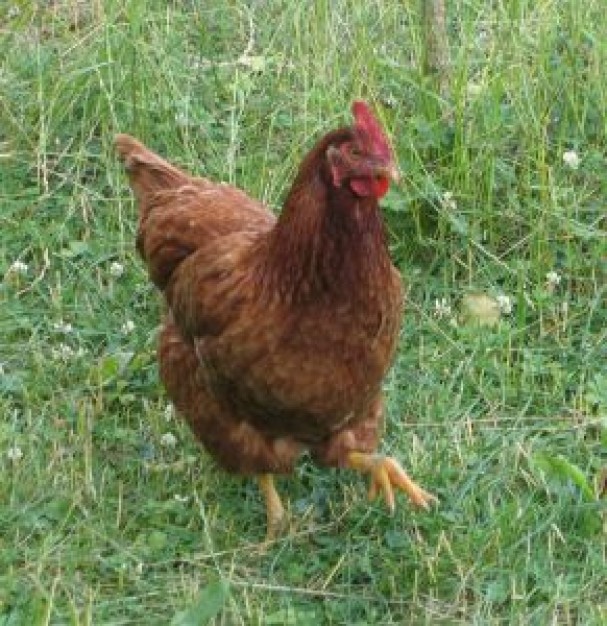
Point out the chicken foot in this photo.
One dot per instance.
(275, 511)
(387, 474)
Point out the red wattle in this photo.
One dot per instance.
(365, 187)
(381, 187)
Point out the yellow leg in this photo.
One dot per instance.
(274, 510)
(386, 473)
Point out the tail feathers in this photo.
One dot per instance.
(147, 172)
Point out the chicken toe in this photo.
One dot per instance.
(274, 509)
(386, 475)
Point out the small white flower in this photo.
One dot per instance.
(14, 454)
(64, 352)
(442, 308)
(168, 412)
(139, 568)
(553, 279)
(168, 440)
(473, 89)
(483, 35)
(571, 159)
(116, 269)
(448, 201)
(18, 267)
(182, 119)
(504, 303)
(62, 327)
(128, 327)
(181, 499)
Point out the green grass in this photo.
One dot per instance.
(101, 523)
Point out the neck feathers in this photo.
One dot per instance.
(327, 241)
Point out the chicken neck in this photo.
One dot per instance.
(327, 241)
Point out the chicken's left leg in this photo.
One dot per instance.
(274, 509)
(386, 473)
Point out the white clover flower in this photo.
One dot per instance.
(168, 440)
(14, 454)
(442, 308)
(18, 267)
(448, 201)
(128, 327)
(504, 303)
(483, 35)
(182, 119)
(62, 327)
(571, 159)
(116, 269)
(64, 352)
(553, 279)
(168, 412)
(473, 89)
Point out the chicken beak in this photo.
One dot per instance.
(394, 173)
(389, 171)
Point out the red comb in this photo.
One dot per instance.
(370, 126)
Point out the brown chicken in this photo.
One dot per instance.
(279, 330)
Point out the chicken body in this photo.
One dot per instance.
(279, 332)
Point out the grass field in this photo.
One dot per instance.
(105, 518)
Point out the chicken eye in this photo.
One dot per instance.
(355, 152)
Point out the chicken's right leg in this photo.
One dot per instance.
(386, 475)
(274, 509)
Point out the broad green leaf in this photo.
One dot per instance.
(75, 249)
(157, 540)
(559, 468)
(291, 616)
(206, 606)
